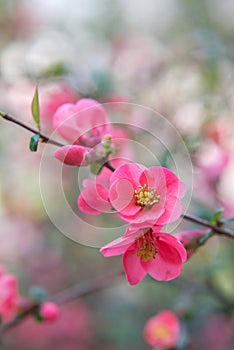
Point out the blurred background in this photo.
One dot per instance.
(175, 57)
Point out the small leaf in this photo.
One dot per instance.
(36, 109)
(216, 217)
(33, 145)
(96, 168)
(57, 70)
(37, 316)
(205, 238)
(38, 293)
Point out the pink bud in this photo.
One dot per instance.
(49, 311)
(190, 240)
(72, 155)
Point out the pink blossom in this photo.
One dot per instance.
(72, 155)
(49, 311)
(146, 195)
(190, 240)
(8, 296)
(82, 123)
(52, 99)
(150, 251)
(162, 330)
(94, 198)
(212, 160)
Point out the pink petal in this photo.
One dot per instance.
(173, 210)
(167, 264)
(146, 217)
(132, 266)
(117, 247)
(83, 206)
(90, 115)
(130, 171)
(175, 187)
(174, 242)
(122, 197)
(138, 229)
(153, 177)
(64, 122)
(96, 198)
(72, 121)
(72, 155)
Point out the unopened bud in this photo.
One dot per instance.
(49, 311)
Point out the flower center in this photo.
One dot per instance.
(162, 332)
(146, 245)
(146, 197)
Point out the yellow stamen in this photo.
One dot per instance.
(146, 197)
(147, 249)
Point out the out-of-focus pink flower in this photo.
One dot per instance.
(72, 155)
(146, 195)
(51, 100)
(49, 311)
(121, 141)
(117, 102)
(190, 240)
(212, 160)
(9, 296)
(162, 330)
(220, 131)
(82, 123)
(150, 251)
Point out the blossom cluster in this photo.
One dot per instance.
(145, 198)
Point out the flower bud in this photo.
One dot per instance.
(49, 311)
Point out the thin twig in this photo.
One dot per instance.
(65, 296)
(109, 166)
(43, 137)
(220, 230)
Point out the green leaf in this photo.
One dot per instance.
(38, 293)
(36, 109)
(205, 238)
(37, 316)
(33, 145)
(96, 168)
(57, 70)
(216, 217)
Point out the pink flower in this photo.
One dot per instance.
(8, 296)
(162, 330)
(212, 160)
(72, 155)
(150, 251)
(82, 123)
(52, 99)
(146, 195)
(94, 198)
(190, 240)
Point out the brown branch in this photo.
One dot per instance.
(65, 296)
(223, 231)
(109, 166)
(43, 137)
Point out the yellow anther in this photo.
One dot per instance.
(146, 196)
